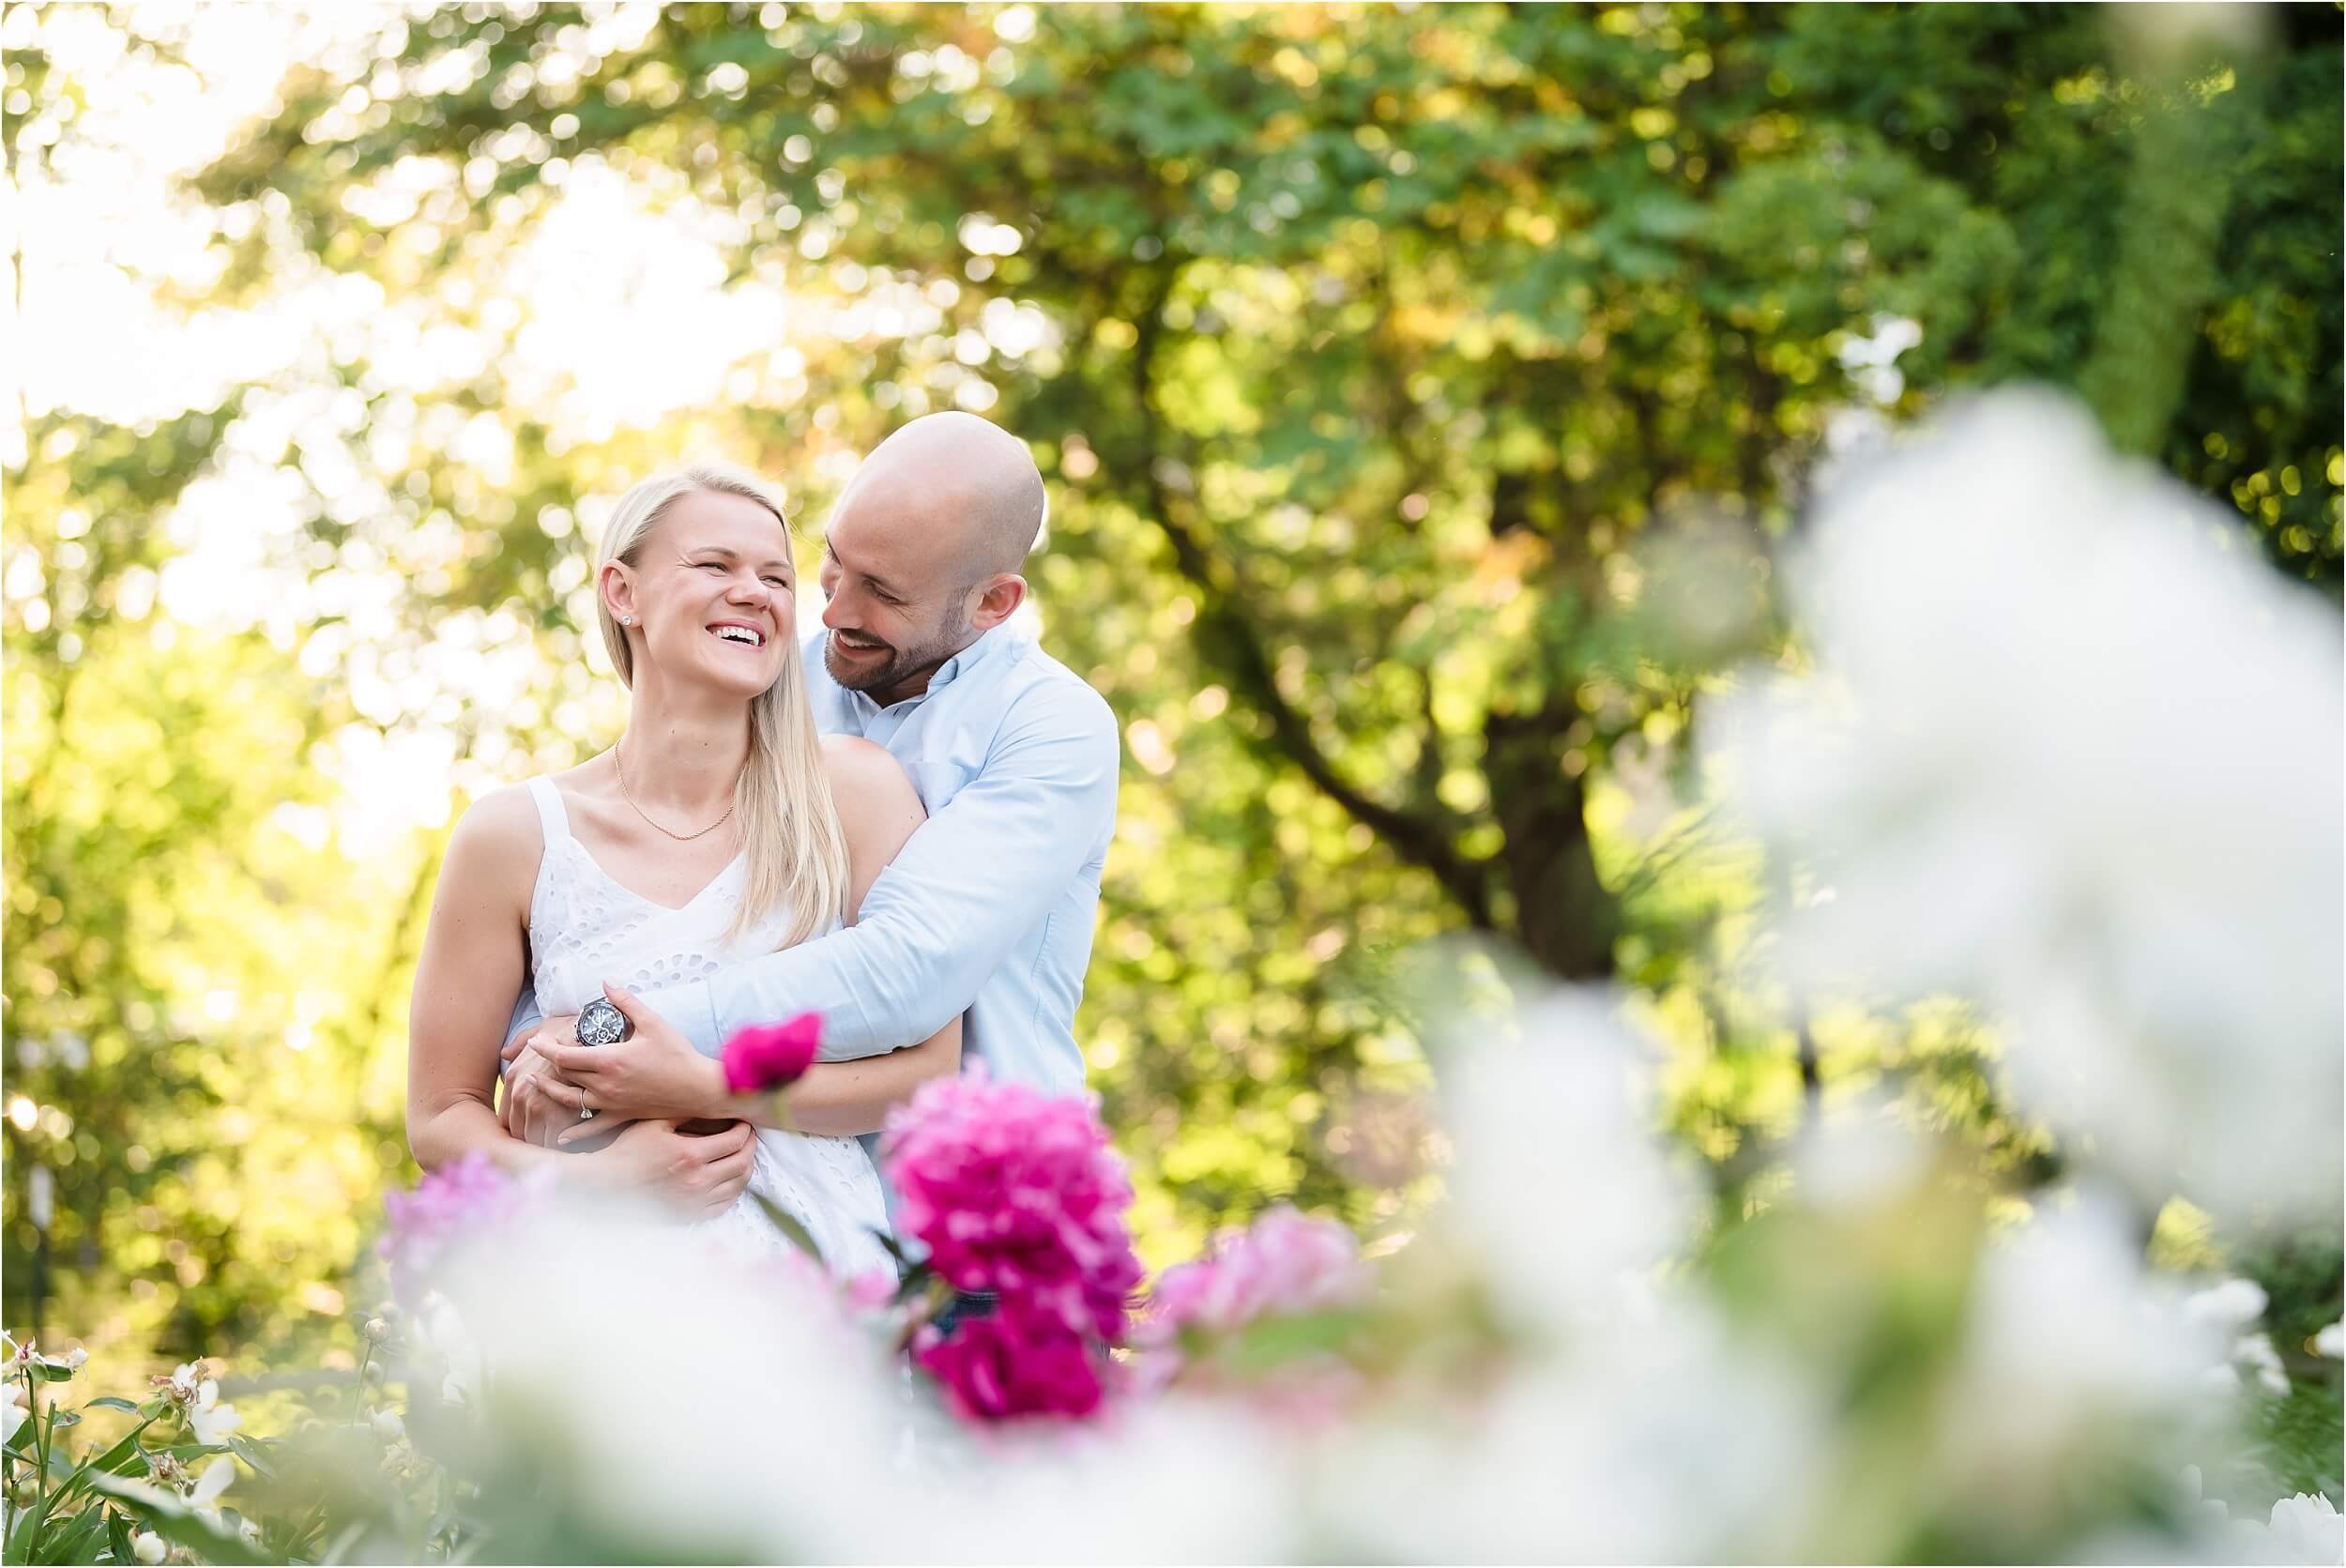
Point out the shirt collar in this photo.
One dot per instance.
(961, 663)
(968, 659)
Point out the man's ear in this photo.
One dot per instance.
(997, 600)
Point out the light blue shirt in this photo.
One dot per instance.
(988, 909)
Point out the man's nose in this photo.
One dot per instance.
(835, 611)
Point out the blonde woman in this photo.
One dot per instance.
(719, 827)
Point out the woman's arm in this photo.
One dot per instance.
(474, 947)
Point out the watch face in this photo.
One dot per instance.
(600, 1023)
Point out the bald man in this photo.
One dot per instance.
(987, 912)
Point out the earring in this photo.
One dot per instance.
(627, 620)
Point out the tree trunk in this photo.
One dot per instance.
(1565, 916)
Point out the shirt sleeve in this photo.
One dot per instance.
(947, 911)
(525, 1011)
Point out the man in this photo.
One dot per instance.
(988, 909)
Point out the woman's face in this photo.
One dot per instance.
(715, 593)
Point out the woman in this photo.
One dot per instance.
(719, 826)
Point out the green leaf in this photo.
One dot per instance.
(172, 1519)
(118, 1534)
(75, 1540)
(253, 1455)
(53, 1372)
(118, 1459)
(26, 1531)
(111, 1402)
(788, 1223)
(1273, 1341)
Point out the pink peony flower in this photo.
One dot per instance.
(1287, 1264)
(449, 1205)
(772, 1055)
(1012, 1363)
(1017, 1193)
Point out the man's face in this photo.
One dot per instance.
(897, 612)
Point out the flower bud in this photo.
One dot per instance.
(148, 1546)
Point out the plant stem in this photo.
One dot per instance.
(358, 1394)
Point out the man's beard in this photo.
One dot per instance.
(900, 667)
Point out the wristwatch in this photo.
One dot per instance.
(600, 1023)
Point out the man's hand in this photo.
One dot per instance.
(703, 1173)
(654, 1073)
(529, 1110)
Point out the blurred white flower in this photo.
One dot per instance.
(1125, 1490)
(149, 1547)
(752, 1359)
(2234, 1304)
(12, 1411)
(76, 1359)
(388, 1426)
(2072, 1346)
(2071, 749)
(1857, 1157)
(2255, 1353)
(1597, 1454)
(1559, 1185)
(2331, 1342)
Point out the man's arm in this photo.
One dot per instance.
(968, 884)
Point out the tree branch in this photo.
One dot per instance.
(1225, 632)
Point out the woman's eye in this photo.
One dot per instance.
(777, 583)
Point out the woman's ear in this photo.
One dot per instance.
(618, 587)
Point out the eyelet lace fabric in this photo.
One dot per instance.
(585, 928)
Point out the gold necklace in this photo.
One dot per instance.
(618, 765)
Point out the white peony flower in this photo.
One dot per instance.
(2306, 1529)
(2255, 1353)
(2236, 1303)
(2072, 749)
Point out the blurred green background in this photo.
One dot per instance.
(1422, 394)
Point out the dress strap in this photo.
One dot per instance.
(552, 819)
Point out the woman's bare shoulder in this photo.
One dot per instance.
(498, 836)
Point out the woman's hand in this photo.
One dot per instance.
(654, 1073)
(702, 1173)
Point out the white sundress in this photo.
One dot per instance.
(586, 928)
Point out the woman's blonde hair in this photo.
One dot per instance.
(795, 849)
